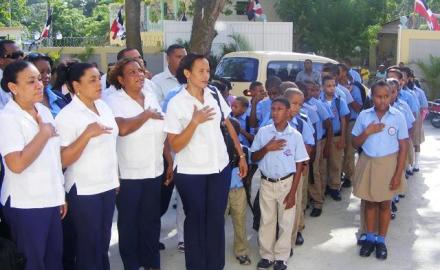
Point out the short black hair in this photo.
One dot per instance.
(3, 47)
(283, 101)
(273, 82)
(35, 57)
(255, 84)
(327, 78)
(379, 84)
(244, 101)
(172, 48)
(69, 72)
(121, 53)
(407, 71)
(187, 63)
(11, 72)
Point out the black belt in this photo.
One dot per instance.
(273, 180)
(337, 134)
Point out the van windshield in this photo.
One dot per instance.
(287, 70)
(238, 69)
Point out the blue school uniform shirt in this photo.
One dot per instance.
(408, 98)
(242, 120)
(236, 181)
(311, 114)
(357, 97)
(404, 108)
(347, 96)
(56, 102)
(277, 164)
(385, 142)
(307, 131)
(423, 101)
(337, 112)
(355, 75)
(323, 112)
(264, 112)
(170, 95)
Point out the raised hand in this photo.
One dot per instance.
(96, 129)
(275, 144)
(202, 115)
(153, 114)
(374, 128)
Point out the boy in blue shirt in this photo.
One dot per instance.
(332, 166)
(280, 152)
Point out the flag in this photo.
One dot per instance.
(423, 10)
(45, 32)
(117, 27)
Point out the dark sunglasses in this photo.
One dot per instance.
(14, 55)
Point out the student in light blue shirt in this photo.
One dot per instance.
(263, 108)
(170, 95)
(340, 110)
(382, 134)
(399, 104)
(245, 133)
(280, 153)
(404, 95)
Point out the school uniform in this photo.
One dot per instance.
(419, 136)
(264, 111)
(277, 170)
(374, 168)
(31, 199)
(317, 185)
(303, 125)
(332, 166)
(90, 181)
(141, 167)
(165, 82)
(349, 151)
(203, 179)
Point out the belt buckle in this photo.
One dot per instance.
(277, 180)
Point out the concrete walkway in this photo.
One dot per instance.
(330, 243)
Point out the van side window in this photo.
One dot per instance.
(287, 70)
(238, 69)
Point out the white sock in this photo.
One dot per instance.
(409, 167)
(416, 160)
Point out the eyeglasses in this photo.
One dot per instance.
(14, 55)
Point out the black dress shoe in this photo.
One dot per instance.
(335, 195)
(381, 251)
(401, 195)
(161, 246)
(347, 183)
(409, 172)
(393, 215)
(315, 212)
(366, 249)
(416, 170)
(291, 252)
(299, 239)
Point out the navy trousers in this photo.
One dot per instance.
(92, 218)
(38, 235)
(69, 242)
(204, 199)
(138, 203)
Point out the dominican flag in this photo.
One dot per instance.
(423, 10)
(45, 32)
(117, 28)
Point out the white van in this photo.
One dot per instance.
(242, 68)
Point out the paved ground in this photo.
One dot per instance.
(330, 243)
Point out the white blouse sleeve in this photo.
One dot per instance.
(11, 137)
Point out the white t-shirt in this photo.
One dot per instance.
(40, 185)
(206, 151)
(140, 152)
(96, 170)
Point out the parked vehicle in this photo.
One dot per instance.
(242, 68)
(434, 112)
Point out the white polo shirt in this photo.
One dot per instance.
(165, 81)
(96, 170)
(206, 152)
(40, 185)
(140, 152)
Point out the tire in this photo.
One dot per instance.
(435, 121)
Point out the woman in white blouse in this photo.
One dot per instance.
(140, 149)
(203, 172)
(32, 194)
(88, 133)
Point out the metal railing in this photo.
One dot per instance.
(76, 42)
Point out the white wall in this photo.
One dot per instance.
(262, 36)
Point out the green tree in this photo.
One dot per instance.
(12, 12)
(431, 75)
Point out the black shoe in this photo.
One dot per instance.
(280, 265)
(299, 239)
(416, 170)
(335, 195)
(347, 183)
(393, 207)
(409, 172)
(264, 264)
(401, 195)
(381, 251)
(315, 212)
(366, 249)
(327, 190)
(244, 260)
(291, 252)
(406, 176)
(393, 215)
(161, 246)
(362, 239)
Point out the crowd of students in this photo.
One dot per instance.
(75, 146)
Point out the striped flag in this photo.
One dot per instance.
(421, 8)
(45, 32)
(117, 27)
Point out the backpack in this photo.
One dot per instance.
(363, 91)
(10, 259)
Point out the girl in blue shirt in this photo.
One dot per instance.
(382, 134)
